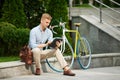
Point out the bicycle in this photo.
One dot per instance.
(81, 51)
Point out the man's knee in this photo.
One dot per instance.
(58, 50)
(35, 50)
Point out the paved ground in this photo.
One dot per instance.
(106, 73)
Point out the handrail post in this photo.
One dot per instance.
(70, 18)
(101, 11)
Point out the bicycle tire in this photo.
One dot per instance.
(69, 59)
(83, 53)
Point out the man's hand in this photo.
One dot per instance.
(48, 43)
(44, 45)
(58, 44)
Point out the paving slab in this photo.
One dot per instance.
(104, 73)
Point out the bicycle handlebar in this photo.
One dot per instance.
(62, 24)
(52, 27)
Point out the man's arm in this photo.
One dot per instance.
(32, 39)
(44, 45)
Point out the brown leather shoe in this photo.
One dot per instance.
(37, 71)
(69, 73)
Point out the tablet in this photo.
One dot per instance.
(53, 44)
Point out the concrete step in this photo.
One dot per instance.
(17, 68)
(104, 73)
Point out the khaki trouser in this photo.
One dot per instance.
(38, 55)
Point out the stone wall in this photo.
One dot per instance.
(103, 38)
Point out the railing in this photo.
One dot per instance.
(107, 14)
(115, 2)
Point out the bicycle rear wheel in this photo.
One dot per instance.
(83, 53)
(68, 56)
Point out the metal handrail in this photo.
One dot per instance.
(107, 6)
(115, 2)
(101, 11)
(105, 13)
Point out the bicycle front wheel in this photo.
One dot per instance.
(83, 53)
(68, 56)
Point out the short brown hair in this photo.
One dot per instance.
(46, 16)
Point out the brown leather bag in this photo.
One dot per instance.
(26, 55)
